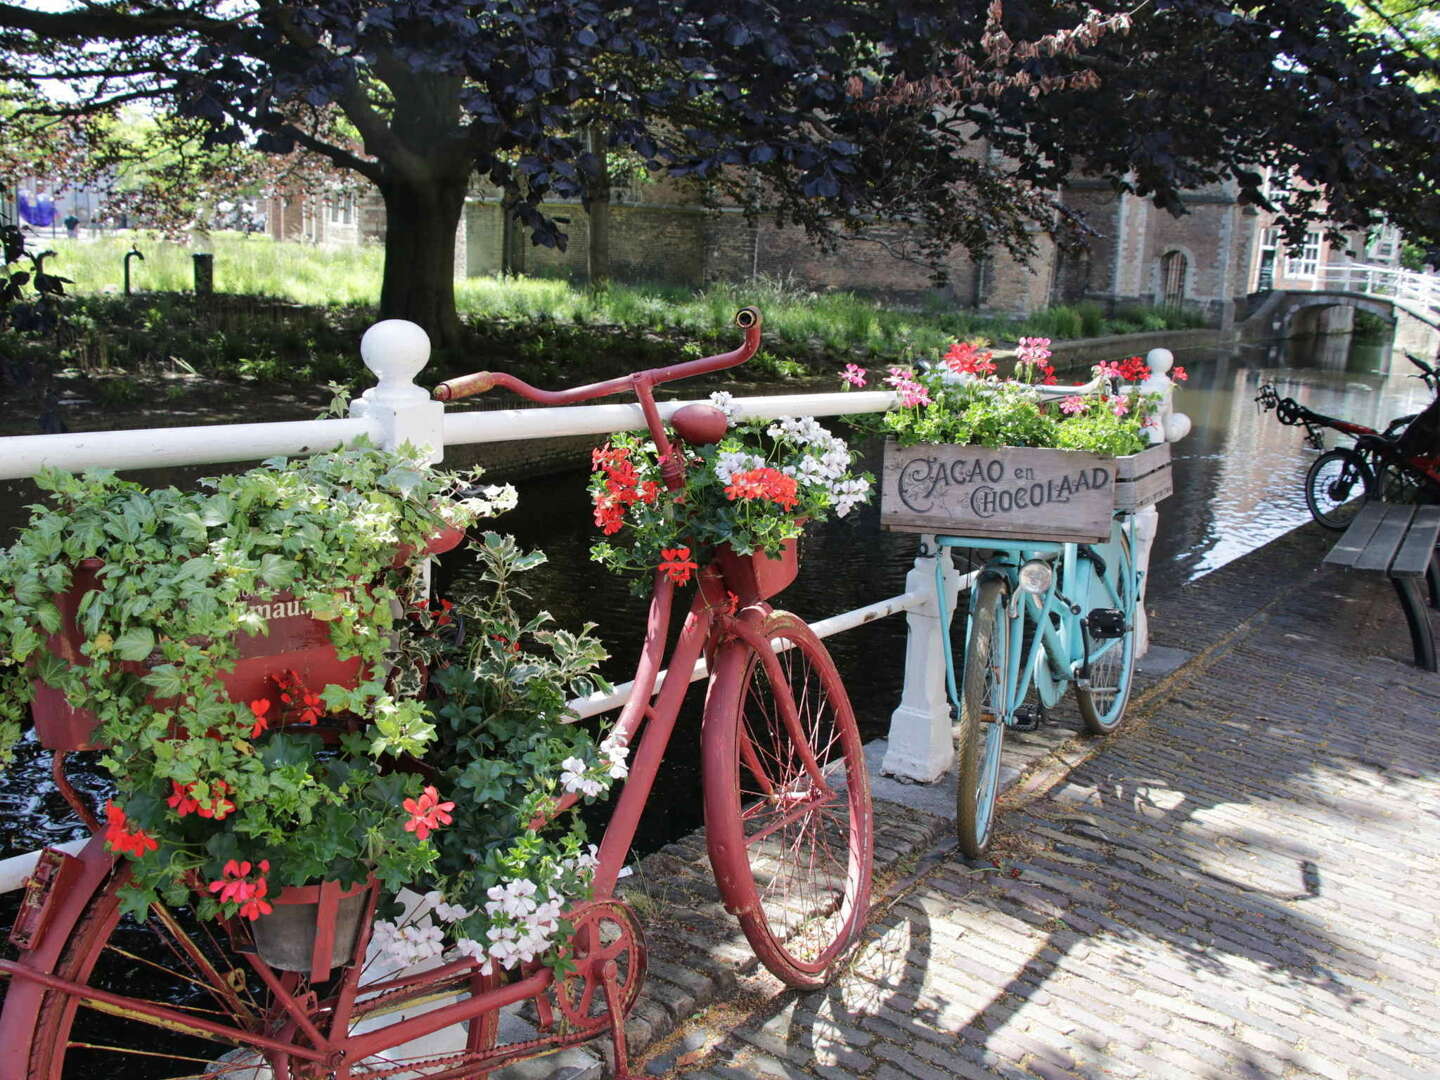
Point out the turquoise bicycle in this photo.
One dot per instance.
(1043, 615)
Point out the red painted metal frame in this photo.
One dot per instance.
(707, 623)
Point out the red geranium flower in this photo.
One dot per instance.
(677, 564)
(123, 838)
(235, 887)
(427, 813)
(180, 800)
(764, 483)
(258, 709)
(1178, 373)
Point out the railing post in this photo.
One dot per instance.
(921, 746)
(396, 351)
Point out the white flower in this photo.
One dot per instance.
(450, 912)
(725, 402)
(729, 462)
(575, 778)
(614, 750)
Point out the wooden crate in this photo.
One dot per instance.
(1143, 479)
(1009, 493)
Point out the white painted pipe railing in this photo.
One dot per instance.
(396, 411)
(1389, 281)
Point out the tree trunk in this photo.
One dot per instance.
(419, 283)
(598, 252)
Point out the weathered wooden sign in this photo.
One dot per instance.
(1007, 493)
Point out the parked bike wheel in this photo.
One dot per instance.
(983, 711)
(175, 960)
(1336, 487)
(787, 799)
(1112, 660)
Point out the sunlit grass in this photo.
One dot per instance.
(796, 317)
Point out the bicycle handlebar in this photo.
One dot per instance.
(748, 319)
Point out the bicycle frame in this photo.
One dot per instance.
(649, 715)
(1058, 640)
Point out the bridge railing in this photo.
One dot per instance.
(1388, 281)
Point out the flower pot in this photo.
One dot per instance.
(297, 641)
(757, 576)
(312, 928)
(444, 539)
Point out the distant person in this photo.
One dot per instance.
(72, 226)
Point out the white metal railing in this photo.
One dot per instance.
(395, 411)
(1422, 290)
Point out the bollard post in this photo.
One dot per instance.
(921, 746)
(396, 351)
(204, 273)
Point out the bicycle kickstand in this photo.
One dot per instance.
(610, 977)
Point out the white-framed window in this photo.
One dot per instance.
(1384, 245)
(1306, 262)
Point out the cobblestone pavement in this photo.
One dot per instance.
(1242, 882)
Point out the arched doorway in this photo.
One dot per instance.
(1173, 268)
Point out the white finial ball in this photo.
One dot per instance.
(1159, 360)
(1177, 426)
(395, 349)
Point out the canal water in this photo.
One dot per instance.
(1238, 484)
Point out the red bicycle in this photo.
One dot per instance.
(788, 825)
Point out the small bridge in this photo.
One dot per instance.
(1409, 302)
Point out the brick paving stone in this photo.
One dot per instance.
(1242, 884)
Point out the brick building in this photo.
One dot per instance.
(667, 232)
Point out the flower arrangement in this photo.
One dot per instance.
(961, 399)
(753, 490)
(441, 769)
(232, 801)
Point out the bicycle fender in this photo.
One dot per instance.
(22, 996)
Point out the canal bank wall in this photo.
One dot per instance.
(1198, 889)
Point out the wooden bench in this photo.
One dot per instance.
(1399, 541)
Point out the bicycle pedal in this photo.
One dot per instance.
(1106, 624)
(1028, 717)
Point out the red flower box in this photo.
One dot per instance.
(757, 576)
(297, 641)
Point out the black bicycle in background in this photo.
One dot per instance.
(1399, 464)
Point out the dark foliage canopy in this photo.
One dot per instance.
(828, 114)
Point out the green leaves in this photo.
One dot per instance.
(136, 643)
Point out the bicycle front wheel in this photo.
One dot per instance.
(1336, 487)
(983, 710)
(787, 799)
(1112, 659)
(174, 960)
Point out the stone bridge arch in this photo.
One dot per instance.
(1291, 314)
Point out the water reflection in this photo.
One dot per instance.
(1239, 475)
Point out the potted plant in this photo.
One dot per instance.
(969, 452)
(745, 501)
(231, 651)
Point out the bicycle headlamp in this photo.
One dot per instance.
(1036, 575)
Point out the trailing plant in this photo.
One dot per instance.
(239, 798)
(961, 399)
(753, 490)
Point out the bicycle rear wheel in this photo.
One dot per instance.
(983, 711)
(787, 799)
(1336, 486)
(1112, 660)
(176, 960)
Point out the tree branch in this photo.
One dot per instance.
(95, 20)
